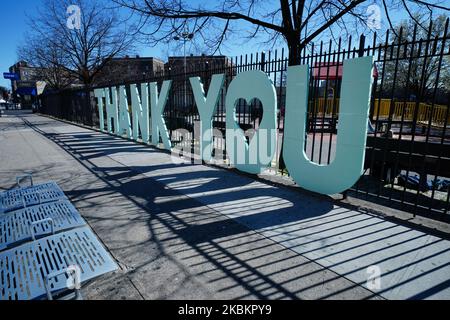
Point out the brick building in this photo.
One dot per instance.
(129, 69)
(25, 89)
(175, 65)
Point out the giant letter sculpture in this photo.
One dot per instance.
(158, 103)
(251, 157)
(124, 114)
(347, 167)
(206, 108)
(139, 106)
(100, 94)
(111, 110)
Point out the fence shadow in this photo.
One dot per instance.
(256, 239)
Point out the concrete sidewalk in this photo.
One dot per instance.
(196, 232)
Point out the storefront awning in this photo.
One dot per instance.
(26, 91)
(332, 71)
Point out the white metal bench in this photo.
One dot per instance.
(45, 267)
(37, 221)
(23, 197)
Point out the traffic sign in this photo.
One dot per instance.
(11, 76)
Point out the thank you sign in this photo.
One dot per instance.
(254, 155)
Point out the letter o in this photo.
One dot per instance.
(251, 85)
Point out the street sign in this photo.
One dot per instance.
(11, 76)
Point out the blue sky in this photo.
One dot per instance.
(13, 26)
(13, 23)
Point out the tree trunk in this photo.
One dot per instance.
(294, 52)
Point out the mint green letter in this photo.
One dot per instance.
(251, 157)
(100, 94)
(111, 110)
(347, 167)
(139, 106)
(158, 103)
(124, 114)
(206, 107)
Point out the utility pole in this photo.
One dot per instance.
(185, 37)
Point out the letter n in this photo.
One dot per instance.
(140, 111)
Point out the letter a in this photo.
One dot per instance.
(347, 167)
(124, 114)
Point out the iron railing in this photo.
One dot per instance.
(407, 162)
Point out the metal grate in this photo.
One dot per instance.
(23, 270)
(15, 226)
(24, 197)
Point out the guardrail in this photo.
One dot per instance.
(402, 110)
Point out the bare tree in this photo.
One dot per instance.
(49, 61)
(83, 48)
(446, 76)
(296, 22)
(427, 70)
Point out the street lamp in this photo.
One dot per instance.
(185, 37)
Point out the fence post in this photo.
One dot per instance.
(263, 61)
(362, 43)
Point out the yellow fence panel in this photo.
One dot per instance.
(402, 109)
(436, 113)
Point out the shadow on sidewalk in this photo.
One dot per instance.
(217, 247)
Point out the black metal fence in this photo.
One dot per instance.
(407, 163)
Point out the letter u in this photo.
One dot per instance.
(348, 165)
